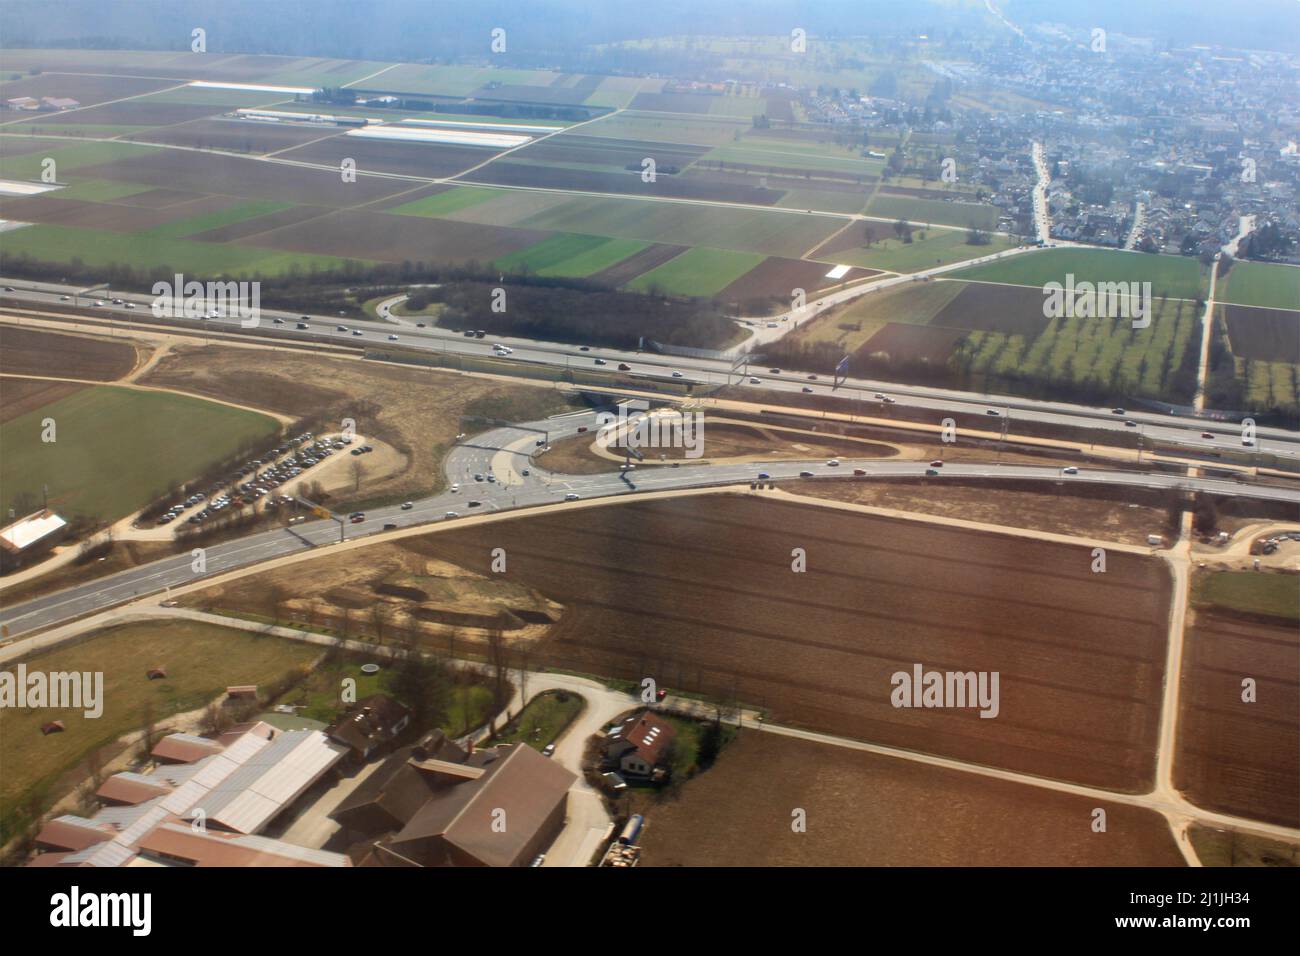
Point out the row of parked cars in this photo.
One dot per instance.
(257, 479)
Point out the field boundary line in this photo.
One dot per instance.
(965, 524)
(135, 386)
(92, 106)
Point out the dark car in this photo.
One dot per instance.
(389, 526)
(475, 504)
(469, 333)
(624, 367)
(303, 325)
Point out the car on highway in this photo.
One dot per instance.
(805, 474)
(455, 487)
(478, 477)
(763, 476)
(277, 321)
(994, 412)
(833, 463)
(65, 298)
(479, 333)
(807, 388)
(358, 519)
(474, 504)
(389, 526)
(1131, 424)
(302, 325)
(677, 374)
(451, 514)
(340, 328)
(99, 303)
(931, 472)
(357, 332)
(130, 305)
(887, 400)
(812, 378)
(624, 367)
(525, 473)
(1209, 435)
(754, 381)
(774, 371)
(584, 348)
(572, 496)
(1117, 411)
(1069, 470)
(601, 362)
(859, 472)
(468, 333)
(407, 505)
(9, 288)
(492, 479)
(937, 463)
(392, 338)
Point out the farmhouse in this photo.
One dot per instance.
(23, 103)
(640, 746)
(30, 537)
(370, 724)
(436, 805)
(58, 103)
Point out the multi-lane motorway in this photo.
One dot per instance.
(504, 453)
(936, 402)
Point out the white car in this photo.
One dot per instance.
(130, 305)
(833, 463)
(677, 374)
(455, 488)
(572, 496)
(392, 338)
(451, 514)
(407, 505)
(1069, 470)
(99, 303)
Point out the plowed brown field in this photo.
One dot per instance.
(699, 594)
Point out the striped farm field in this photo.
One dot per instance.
(697, 272)
(718, 227)
(568, 254)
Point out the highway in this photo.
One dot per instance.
(504, 454)
(936, 402)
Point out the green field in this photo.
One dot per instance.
(927, 211)
(68, 157)
(116, 449)
(212, 220)
(699, 272)
(741, 230)
(452, 200)
(1260, 283)
(1175, 276)
(567, 254)
(96, 247)
(939, 247)
(1252, 592)
(201, 660)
